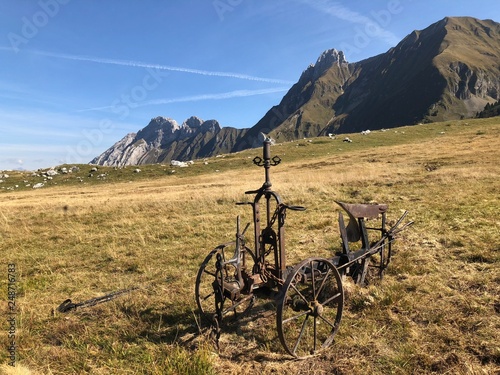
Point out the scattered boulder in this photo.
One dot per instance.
(180, 164)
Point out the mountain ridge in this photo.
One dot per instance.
(164, 140)
(446, 71)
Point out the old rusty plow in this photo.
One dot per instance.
(309, 295)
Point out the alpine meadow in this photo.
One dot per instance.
(83, 235)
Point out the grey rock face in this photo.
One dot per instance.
(163, 140)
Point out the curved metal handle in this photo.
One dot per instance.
(261, 162)
(66, 306)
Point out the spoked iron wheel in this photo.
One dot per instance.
(207, 275)
(310, 307)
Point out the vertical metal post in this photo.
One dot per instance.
(267, 163)
(382, 249)
(281, 262)
(266, 154)
(256, 220)
(268, 236)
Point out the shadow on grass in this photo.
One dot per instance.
(250, 335)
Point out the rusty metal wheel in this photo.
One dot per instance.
(310, 307)
(205, 292)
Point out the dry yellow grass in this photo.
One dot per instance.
(436, 311)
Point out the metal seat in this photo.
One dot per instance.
(366, 211)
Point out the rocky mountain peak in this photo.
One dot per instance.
(211, 126)
(164, 122)
(324, 62)
(163, 140)
(193, 122)
(330, 57)
(158, 125)
(159, 131)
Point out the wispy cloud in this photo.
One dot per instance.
(194, 98)
(139, 64)
(343, 13)
(225, 95)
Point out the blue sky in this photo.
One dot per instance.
(78, 75)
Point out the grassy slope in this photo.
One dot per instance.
(436, 310)
(474, 48)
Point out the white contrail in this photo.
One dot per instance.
(225, 95)
(193, 98)
(139, 64)
(340, 11)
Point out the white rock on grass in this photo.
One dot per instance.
(180, 164)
